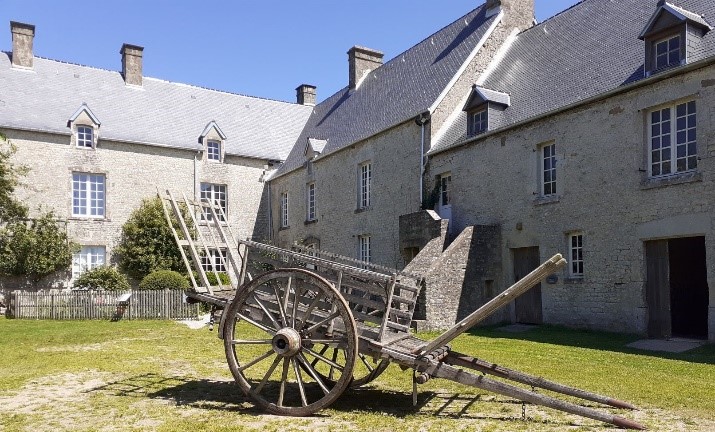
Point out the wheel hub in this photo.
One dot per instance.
(286, 342)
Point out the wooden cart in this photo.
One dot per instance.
(301, 326)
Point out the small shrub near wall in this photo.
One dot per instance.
(164, 279)
(102, 278)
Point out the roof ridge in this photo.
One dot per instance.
(555, 15)
(162, 80)
(397, 56)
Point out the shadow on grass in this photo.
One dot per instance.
(615, 342)
(226, 396)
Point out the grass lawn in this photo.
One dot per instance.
(154, 375)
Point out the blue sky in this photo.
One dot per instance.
(262, 48)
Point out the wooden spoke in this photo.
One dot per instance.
(313, 373)
(284, 380)
(329, 318)
(296, 300)
(268, 375)
(280, 306)
(286, 296)
(266, 311)
(364, 361)
(324, 359)
(251, 342)
(299, 379)
(312, 306)
(266, 329)
(256, 360)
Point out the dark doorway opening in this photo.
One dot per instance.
(528, 305)
(677, 288)
(688, 287)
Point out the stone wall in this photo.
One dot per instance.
(603, 192)
(133, 172)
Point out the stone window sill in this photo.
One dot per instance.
(283, 228)
(363, 209)
(574, 280)
(310, 222)
(543, 200)
(88, 219)
(661, 182)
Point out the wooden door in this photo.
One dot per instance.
(658, 289)
(527, 305)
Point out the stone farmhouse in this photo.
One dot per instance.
(471, 157)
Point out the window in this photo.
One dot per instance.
(365, 254)
(87, 258)
(284, 210)
(548, 170)
(88, 195)
(213, 150)
(478, 122)
(576, 255)
(365, 181)
(214, 194)
(215, 261)
(311, 202)
(673, 140)
(667, 52)
(85, 136)
(444, 187)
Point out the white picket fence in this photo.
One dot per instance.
(101, 305)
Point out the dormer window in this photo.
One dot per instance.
(484, 110)
(212, 138)
(479, 122)
(85, 136)
(213, 150)
(672, 37)
(667, 52)
(85, 127)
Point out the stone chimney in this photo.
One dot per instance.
(132, 64)
(517, 13)
(22, 38)
(306, 95)
(362, 60)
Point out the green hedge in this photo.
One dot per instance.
(106, 278)
(164, 279)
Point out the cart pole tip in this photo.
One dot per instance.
(620, 404)
(627, 424)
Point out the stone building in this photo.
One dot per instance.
(588, 134)
(98, 142)
(471, 157)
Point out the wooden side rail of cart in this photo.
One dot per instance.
(301, 326)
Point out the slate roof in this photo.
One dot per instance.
(398, 90)
(160, 113)
(586, 50)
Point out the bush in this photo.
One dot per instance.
(106, 278)
(223, 277)
(147, 243)
(164, 279)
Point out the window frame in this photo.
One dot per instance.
(214, 150)
(310, 202)
(284, 210)
(81, 138)
(216, 192)
(674, 134)
(364, 185)
(483, 121)
(576, 260)
(91, 259)
(550, 183)
(90, 202)
(445, 179)
(364, 248)
(679, 49)
(216, 260)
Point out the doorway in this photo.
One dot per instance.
(528, 305)
(677, 288)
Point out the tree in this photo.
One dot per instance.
(147, 243)
(34, 248)
(10, 207)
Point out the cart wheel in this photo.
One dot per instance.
(273, 333)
